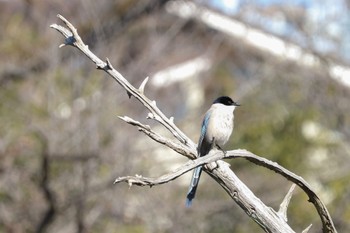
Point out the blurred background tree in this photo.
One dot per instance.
(62, 145)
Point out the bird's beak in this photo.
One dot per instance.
(236, 104)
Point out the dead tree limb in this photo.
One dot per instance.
(267, 218)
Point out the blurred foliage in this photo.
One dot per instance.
(56, 107)
(261, 135)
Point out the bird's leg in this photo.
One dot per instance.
(223, 151)
(214, 144)
(214, 165)
(219, 148)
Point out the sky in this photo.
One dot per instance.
(327, 21)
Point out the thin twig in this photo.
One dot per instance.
(179, 148)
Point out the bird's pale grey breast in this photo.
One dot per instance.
(220, 124)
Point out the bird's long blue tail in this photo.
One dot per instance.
(193, 186)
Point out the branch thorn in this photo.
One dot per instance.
(109, 65)
(142, 86)
(307, 229)
(124, 118)
(282, 212)
(150, 115)
(129, 94)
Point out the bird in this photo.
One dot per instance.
(216, 129)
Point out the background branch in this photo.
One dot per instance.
(49, 195)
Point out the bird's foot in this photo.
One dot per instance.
(212, 166)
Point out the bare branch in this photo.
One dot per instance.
(284, 205)
(144, 181)
(258, 211)
(131, 90)
(326, 219)
(146, 129)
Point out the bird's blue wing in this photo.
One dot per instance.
(202, 142)
(204, 145)
(203, 148)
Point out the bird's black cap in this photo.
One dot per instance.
(225, 100)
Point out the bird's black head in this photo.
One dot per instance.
(225, 100)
